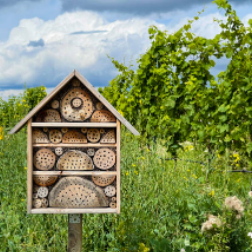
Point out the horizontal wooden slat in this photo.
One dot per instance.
(74, 173)
(98, 145)
(50, 210)
(74, 125)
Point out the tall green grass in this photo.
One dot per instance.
(162, 208)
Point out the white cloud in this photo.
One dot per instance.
(6, 94)
(63, 52)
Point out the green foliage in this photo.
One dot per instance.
(174, 97)
(162, 209)
(17, 107)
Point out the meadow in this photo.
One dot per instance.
(163, 207)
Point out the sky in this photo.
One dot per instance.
(42, 41)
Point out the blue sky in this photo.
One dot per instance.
(42, 41)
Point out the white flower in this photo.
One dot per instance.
(250, 234)
(182, 250)
(250, 194)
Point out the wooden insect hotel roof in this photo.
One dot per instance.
(49, 97)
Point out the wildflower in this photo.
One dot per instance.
(194, 176)
(188, 170)
(1, 133)
(218, 155)
(211, 193)
(182, 250)
(25, 168)
(23, 100)
(234, 204)
(211, 223)
(148, 150)
(250, 234)
(136, 172)
(140, 102)
(143, 248)
(133, 165)
(143, 158)
(127, 173)
(120, 111)
(22, 200)
(250, 194)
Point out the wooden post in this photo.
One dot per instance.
(29, 166)
(74, 232)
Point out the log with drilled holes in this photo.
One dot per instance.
(93, 135)
(102, 116)
(55, 136)
(104, 158)
(48, 115)
(74, 136)
(75, 160)
(103, 180)
(76, 105)
(108, 138)
(44, 159)
(39, 137)
(45, 180)
(75, 192)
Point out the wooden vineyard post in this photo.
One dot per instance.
(74, 233)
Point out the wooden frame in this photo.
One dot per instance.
(32, 173)
(29, 166)
(112, 144)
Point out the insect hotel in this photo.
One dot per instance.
(73, 141)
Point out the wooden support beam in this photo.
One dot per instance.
(29, 166)
(74, 233)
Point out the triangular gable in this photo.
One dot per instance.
(58, 89)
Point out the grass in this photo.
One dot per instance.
(162, 209)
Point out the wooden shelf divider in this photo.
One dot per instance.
(88, 145)
(74, 125)
(73, 173)
(72, 210)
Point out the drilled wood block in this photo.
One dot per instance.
(104, 158)
(76, 105)
(75, 160)
(37, 203)
(45, 180)
(55, 104)
(93, 135)
(109, 137)
(102, 116)
(113, 205)
(103, 180)
(58, 151)
(55, 136)
(90, 152)
(64, 130)
(99, 106)
(44, 159)
(44, 203)
(74, 136)
(48, 115)
(110, 191)
(74, 192)
(42, 191)
(39, 137)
